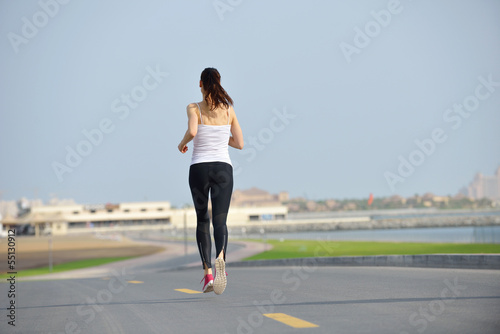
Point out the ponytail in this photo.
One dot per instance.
(210, 79)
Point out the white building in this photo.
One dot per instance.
(75, 218)
(485, 186)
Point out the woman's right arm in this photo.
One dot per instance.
(192, 128)
(236, 140)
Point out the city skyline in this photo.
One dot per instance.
(477, 189)
(484, 186)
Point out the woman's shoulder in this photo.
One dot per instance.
(193, 105)
(231, 110)
(192, 108)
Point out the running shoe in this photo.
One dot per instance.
(220, 276)
(209, 283)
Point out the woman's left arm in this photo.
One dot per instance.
(236, 140)
(192, 128)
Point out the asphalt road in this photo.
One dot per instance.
(160, 299)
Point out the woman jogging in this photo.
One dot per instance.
(213, 125)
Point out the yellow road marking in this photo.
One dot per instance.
(187, 291)
(135, 282)
(290, 321)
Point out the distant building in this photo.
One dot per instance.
(257, 197)
(331, 204)
(444, 200)
(16, 208)
(395, 199)
(59, 219)
(8, 208)
(485, 186)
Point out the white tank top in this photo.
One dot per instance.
(211, 142)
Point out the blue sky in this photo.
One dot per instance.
(336, 99)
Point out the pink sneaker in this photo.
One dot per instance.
(209, 283)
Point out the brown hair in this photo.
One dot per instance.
(210, 78)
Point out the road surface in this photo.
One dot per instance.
(157, 298)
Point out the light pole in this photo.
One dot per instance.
(185, 234)
(50, 253)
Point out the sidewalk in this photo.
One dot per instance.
(171, 250)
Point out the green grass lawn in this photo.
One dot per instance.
(66, 266)
(312, 248)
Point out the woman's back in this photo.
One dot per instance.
(211, 141)
(219, 116)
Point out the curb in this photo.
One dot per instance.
(457, 261)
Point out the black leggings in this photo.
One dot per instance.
(215, 178)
